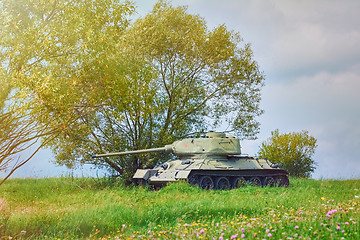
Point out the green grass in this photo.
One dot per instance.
(85, 208)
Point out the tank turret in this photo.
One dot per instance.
(212, 143)
(213, 161)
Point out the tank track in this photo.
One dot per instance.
(230, 179)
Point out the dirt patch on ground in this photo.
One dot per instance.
(2, 204)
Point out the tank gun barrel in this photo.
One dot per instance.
(167, 149)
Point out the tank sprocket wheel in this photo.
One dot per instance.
(193, 180)
(206, 182)
(269, 182)
(239, 182)
(255, 181)
(222, 183)
(282, 181)
(141, 182)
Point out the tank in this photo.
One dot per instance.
(213, 161)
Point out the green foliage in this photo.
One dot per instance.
(293, 150)
(82, 208)
(5, 89)
(106, 85)
(200, 72)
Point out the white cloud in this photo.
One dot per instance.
(338, 149)
(305, 101)
(327, 105)
(290, 35)
(325, 91)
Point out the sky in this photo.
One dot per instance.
(309, 52)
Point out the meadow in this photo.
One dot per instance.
(91, 208)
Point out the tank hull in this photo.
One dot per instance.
(211, 174)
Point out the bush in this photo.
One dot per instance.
(293, 150)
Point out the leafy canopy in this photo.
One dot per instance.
(201, 75)
(293, 150)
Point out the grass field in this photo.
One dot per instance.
(85, 208)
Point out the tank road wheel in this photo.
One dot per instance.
(222, 183)
(206, 182)
(255, 181)
(239, 182)
(282, 181)
(269, 182)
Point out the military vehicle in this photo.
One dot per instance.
(213, 161)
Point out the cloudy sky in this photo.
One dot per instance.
(309, 52)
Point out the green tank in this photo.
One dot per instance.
(213, 161)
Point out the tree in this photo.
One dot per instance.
(141, 85)
(293, 150)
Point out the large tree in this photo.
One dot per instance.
(199, 72)
(115, 88)
(293, 150)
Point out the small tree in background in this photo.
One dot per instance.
(293, 150)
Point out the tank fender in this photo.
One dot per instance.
(182, 175)
(144, 174)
